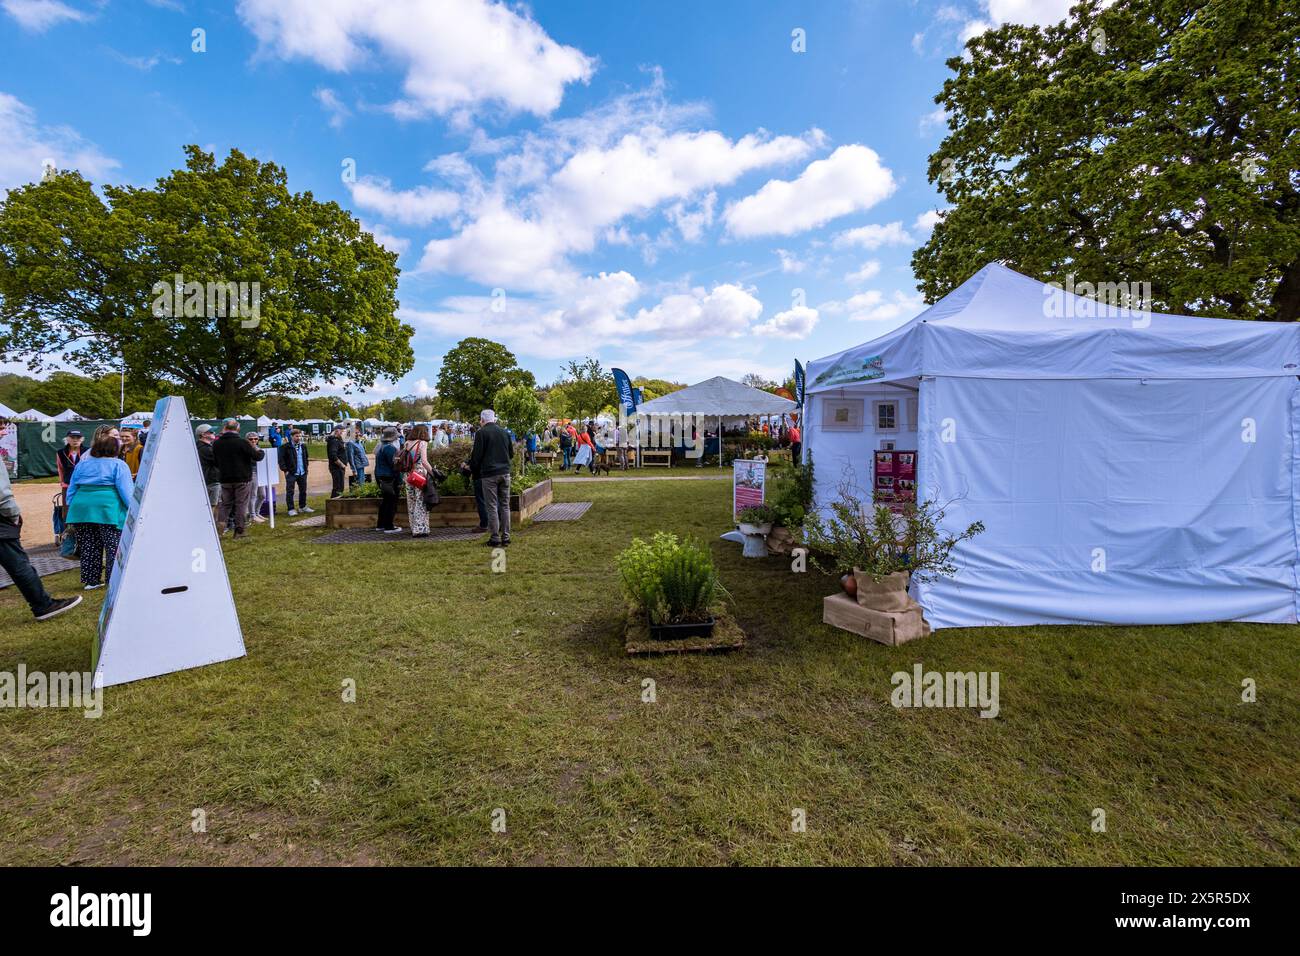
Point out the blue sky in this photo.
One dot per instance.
(668, 186)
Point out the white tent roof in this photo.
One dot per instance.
(1001, 324)
(718, 397)
(138, 417)
(264, 421)
(33, 415)
(7, 412)
(67, 415)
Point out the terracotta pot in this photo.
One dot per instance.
(887, 594)
(850, 585)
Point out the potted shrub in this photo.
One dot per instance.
(672, 584)
(792, 501)
(755, 524)
(881, 547)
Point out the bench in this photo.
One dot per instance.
(653, 456)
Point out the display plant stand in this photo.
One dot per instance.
(726, 636)
(452, 511)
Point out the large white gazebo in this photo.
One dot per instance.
(719, 398)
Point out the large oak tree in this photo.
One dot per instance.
(79, 275)
(1150, 141)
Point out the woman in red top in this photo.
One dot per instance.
(586, 452)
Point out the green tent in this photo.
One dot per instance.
(39, 442)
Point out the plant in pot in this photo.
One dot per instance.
(755, 524)
(672, 584)
(792, 500)
(880, 547)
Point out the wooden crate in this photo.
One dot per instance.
(653, 456)
(887, 627)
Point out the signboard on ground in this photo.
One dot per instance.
(748, 479)
(168, 605)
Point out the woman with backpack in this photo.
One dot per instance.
(413, 466)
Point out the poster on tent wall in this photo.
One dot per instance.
(168, 606)
(748, 479)
(9, 448)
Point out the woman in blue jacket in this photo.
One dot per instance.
(98, 497)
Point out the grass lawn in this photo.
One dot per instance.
(478, 690)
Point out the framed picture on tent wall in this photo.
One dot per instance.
(842, 414)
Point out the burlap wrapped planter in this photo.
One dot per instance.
(887, 594)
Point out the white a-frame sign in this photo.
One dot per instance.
(168, 606)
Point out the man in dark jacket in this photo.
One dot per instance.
(235, 459)
(293, 461)
(336, 454)
(489, 463)
(203, 438)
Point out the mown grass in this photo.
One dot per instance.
(478, 691)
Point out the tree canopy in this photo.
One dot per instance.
(147, 277)
(1150, 141)
(474, 371)
(586, 389)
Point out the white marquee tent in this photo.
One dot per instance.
(68, 415)
(718, 398)
(1129, 467)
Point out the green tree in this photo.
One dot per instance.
(96, 282)
(1150, 141)
(519, 410)
(652, 388)
(474, 371)
(15, 390)
(88, 397)
(587, 390)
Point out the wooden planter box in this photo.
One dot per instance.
(458, 511)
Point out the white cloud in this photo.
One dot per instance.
(386, 239)
(27, 147)
(873, 306)
(39, 15)
(691, 223)
(926, 222)
(790, 263)
(795, 323)
(874, 236)
(411, 207)
(457, 55)
(870, 269)
(1027, 12)
(331, 103)
(850, 180)
(591, 310)
(561, 192)
(937, 117)
(726, 310)
(501, 248)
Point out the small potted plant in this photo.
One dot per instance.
(756, 524)
(673, 584)
(881, 547)
(791, 502)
